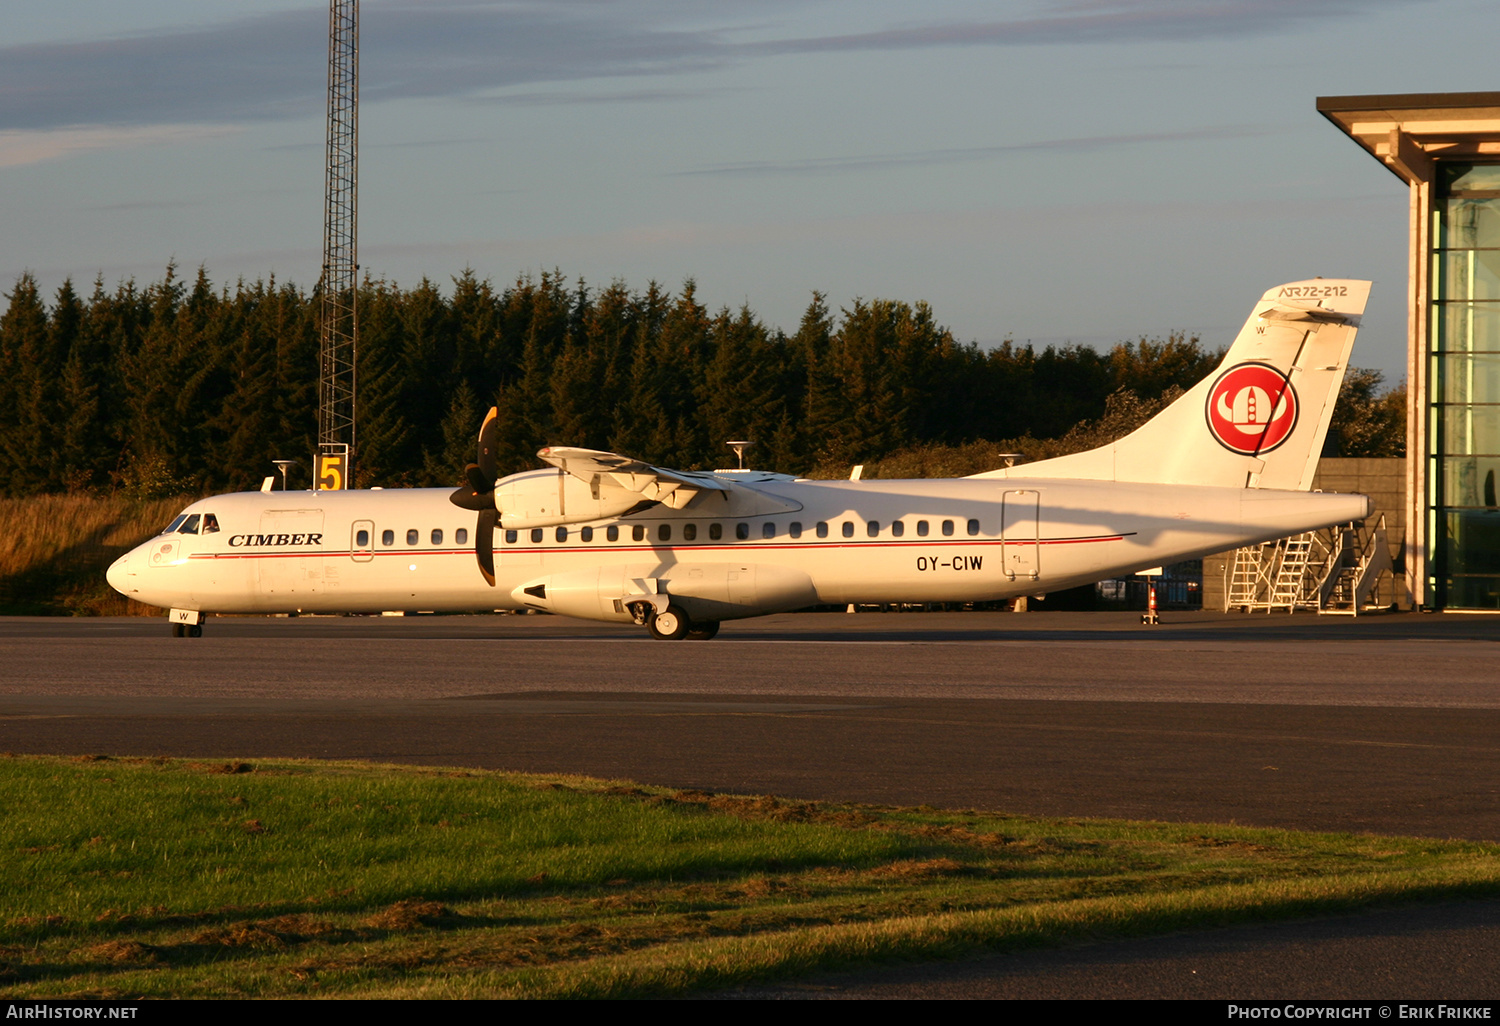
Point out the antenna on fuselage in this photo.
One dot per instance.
(739, 447)
(283, 466)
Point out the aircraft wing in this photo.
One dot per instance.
(673, 488)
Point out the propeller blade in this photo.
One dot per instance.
(477, 481)
(465, 497)
(484, 542)
(489, 446)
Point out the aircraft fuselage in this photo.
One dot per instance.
(772, 545)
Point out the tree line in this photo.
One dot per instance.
(179, 386)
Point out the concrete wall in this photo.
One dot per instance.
(1383, 480)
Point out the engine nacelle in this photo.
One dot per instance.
(547, 498)
(705, 591)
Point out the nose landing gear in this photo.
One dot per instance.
(186, 623)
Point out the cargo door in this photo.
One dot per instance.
(289, 558)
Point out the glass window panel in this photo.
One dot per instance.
(561, 534)
(1467, 177)
(795, 529)
(1468, 430)
(848, 529)
(175, 524)
(586, 534)
(387, 537)
(461, 536)
(823, 529)
(689, 532)
(190, 525)
(742, 531)
(1465, 378)
(1470, 481)
(412, 536)
(973, 528)
(872, 529)
(768, 530)
(612, 533)
(437, 536)
(536, 535)
(362, 539)
(1469, 222)
(947, 528)
(1471, 542)
(638, 533)
(898, 528)
(1473, 593)
(1467, 274)
(511, 536)
(715, 531)
(664, 532)
(921, 529)
(1462, 327)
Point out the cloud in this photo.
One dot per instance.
(1084, 144)
(273, 66)
(24, 146)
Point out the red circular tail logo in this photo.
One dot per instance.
(1251, 409)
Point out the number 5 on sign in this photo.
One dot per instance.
(331, 471)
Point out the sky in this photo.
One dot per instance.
(1055, 172)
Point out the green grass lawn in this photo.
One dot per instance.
(154, 877)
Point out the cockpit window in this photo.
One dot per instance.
(191, 525)
(210, 523)
(174, 525)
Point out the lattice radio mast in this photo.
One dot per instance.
(339, 326)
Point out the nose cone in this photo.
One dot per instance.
(120, 574)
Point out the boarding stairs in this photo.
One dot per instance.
(1272, 576)
(1352, 573)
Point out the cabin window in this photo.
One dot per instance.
(638, 533)
(973, 528)
(210, 524)
(715, 531)
(413, 536)
(898, 528)
(664, 532)
(872, 529)
(768, 530)
(387, 537)
(361, 539)
(561, 534)
(689, 532)
(848, 528)
(461, 536)
(536, 536)
(437, 536)
(190, 526)
(611, 533)
(175, 524)
(586, 534)
(511, 537)
(794, 529)
(742, 530)
(822, 529)
(947, 528)
(921, 529)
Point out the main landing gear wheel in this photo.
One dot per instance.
(187, 630)
(670, 624)
(703, 631)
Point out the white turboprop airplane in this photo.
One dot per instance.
(604, 537)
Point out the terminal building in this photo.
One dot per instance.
(1446, 148)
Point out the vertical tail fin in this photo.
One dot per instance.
(1260, 419)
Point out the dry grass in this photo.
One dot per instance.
(54, 550)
